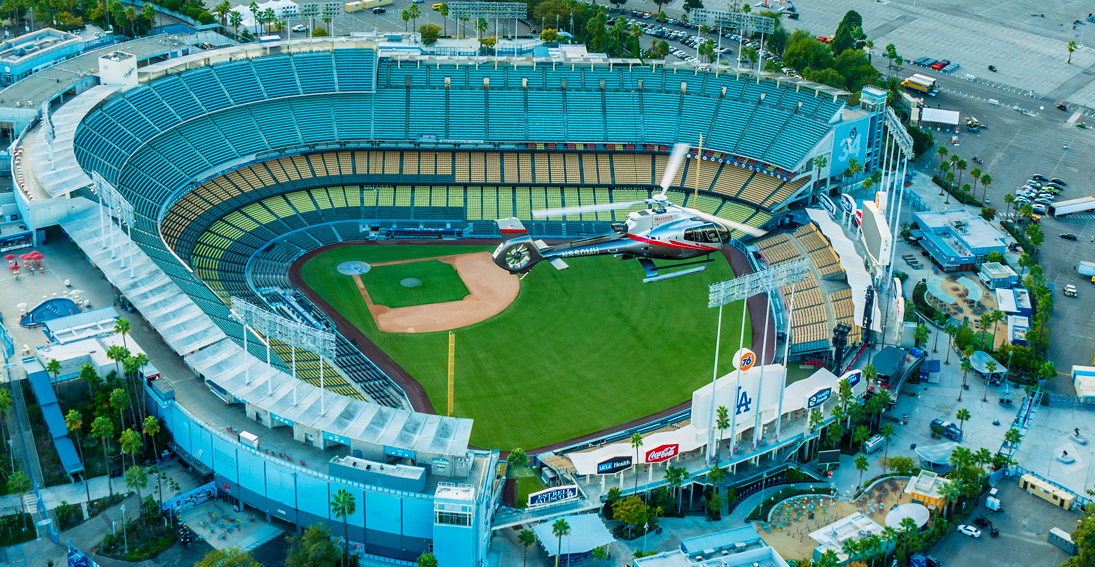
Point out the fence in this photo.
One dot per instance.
(8, 343)
(1060, 400)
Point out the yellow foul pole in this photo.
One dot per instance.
(699, 158)
(452, 367)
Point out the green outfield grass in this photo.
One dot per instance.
(580, 350)
(440, 283)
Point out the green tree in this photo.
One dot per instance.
(949, 494)
(888, 432)
(988, 213)
(549, 36)
(228, 557)
(119, 400)
(870, 374)
(74, 421)
(91, 378)
(1012, 437)
(631, 512)
(600, 553)
(426, 559)
(986, 180)
(18, 483)
(5, 405)
(222, 10)
(136, 478)
(853, 169)
(636, 443)
(942, 152)
(405, 15)
(920, 334)
(130, 442)
(235, 19)
(676, 476)
(561, 528)
(53, 367)
(415, 14)
(962, 416)
(861, 434)
(722, 422)
(1036, 237)
(122, 327)
(527, 539)
(861, 466)
(117, 354)
(849, 33)
(966, 368)
(430, 33)
(750, 54)
(716, 475)
(343, 505)
(901, 465)
(1084, 538)
(151, 428)
(1009, 199)
(313, 548)
(1071, 47)
(829, 558)
(102, 428)
(517, 458)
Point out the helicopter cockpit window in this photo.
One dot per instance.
(724, 234)
(707, 234)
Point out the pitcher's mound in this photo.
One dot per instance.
(490, 291)
(353, 268)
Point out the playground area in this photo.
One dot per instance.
(791, 521)
(964, 300)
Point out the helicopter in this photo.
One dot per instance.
(681, 237)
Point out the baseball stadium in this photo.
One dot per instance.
(353, 189)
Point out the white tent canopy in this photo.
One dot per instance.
(939, 116)
(918, 512)
(282, 9)
(587, 532)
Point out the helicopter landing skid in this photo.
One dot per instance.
(652, 270)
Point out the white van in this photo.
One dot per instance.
(873, 444)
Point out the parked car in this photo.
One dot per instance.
(1039, 177)
(950, 430)
(1062, 106)
(1034, 184)
(969, 530)
(300, 28)
(1059, 181)
(1068, 236)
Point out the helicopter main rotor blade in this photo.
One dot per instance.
(675, 160)
(583, 209)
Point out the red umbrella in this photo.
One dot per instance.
(35, 255)
(13, 267)
(9, 257)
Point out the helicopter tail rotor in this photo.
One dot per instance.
(518, 252)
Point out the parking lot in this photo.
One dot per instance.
(1024, 524)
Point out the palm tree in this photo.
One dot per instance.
(870, 374)
(990, 366)
(53, 367)
(675, 476)
(853, 169)
(235, 19)
(443, 9)
(74, 421)
(1008, 200)
(104, 430)
(995, 317)
(559, 529)
(117, 354)
(722, 421)
(405, 15)
(636, 443)
(119, 400)
(851, 547)
(951, 330)
(986, 180)
(861, 466)
(984, 456)
(1013, 437)
(151, 428)
(122, 327)
(130, 441)
(527, 538)
(1071, 48)
(342, 506)
(414, 14)
(888, 432)
(222, 10)
(137, 478)
(962, 416)
(949, 493)
(950, 186)
(960, 166)
(909, 526)
(975, 174)
(966, 367)
(942, 152)
(716, 475)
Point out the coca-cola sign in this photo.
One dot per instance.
(662, 453)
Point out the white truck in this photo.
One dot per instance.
(1087, 269)
(1080, 205)
(921, 83)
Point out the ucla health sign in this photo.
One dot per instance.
(557, 494)
(614, 465)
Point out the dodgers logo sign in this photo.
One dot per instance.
(744, 359)
(818, 398)
(557, 494)
(662, 453)
(614, 465)
(847, 202)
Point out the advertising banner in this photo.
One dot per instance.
(614, 465)
(551, 495)
(849, 141)
(662, 453)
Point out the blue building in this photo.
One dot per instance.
(956, 240)
(34, 51)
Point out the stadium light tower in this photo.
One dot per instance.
(741, 289)
(736, 20)
(897, 158)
